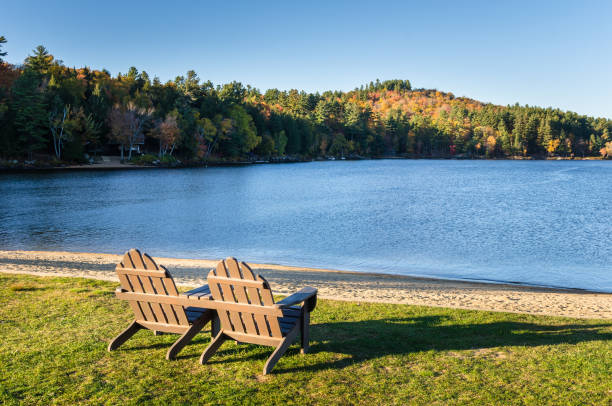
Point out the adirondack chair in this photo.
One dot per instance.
(152, 295)
(247, 312)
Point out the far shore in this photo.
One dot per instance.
(338, 285)
(115, 164)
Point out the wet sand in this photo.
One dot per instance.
(337, 285)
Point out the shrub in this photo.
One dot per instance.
(146, 159)
(168, 160)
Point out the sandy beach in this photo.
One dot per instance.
(337, 285)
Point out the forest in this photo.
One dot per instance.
(55, 113)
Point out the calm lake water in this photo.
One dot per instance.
(541, 222)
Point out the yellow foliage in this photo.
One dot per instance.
(553, 145)
(491, 142)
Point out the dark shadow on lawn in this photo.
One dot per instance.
(370, 339)
(25, 288)
(167, 343)
(230, 348)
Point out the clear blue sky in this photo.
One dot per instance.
(546, 53)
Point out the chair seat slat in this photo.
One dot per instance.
(168, 311)
(260, 319)
(171, 290)
(228, 296)
(141, 272)
(236, 282)
(202, 290)
(241, 295)
(158, 312)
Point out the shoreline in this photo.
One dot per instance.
(338, 284)
(293, 268)
(129, 166)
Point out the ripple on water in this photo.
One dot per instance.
(537, 222)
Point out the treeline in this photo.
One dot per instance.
(48, 109)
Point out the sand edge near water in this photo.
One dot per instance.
(336, 285)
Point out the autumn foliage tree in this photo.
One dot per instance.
(127, 122)
(120, 129)
(194, 119)
(167, 132)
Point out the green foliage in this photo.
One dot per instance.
(55, 331)
(243, 136)
(266, 147)
(74, 151)
(280, 142)
(232, 93)
(30, 112)
(168, 160)
(144, 159)
(397, 85)
(41, 61)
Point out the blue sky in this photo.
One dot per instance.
(541, 53)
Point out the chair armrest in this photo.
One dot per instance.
(196, 290)
(308, 295)
(119, 290)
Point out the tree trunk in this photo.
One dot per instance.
(57, 154)
(209, 150)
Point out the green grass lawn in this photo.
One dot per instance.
(54, 333)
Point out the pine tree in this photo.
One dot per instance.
(518, 135)
(41, 61)
(30, 112)
(531, 134)
(545, 135)
(2, 41)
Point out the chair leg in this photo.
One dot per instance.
(179, 344)
(213, 347)
(305, 331)
(215, 326)
(124, 336)
(279, 351)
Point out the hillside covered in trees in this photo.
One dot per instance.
(54, 112)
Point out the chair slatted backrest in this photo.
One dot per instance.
(139, 273)
(234, 283)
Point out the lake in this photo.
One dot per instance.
(532, 222)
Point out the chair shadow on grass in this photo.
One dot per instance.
(371, 339)
(167, 342)
(201, 339)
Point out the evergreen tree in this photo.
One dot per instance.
(30, 112)
(519, 135)
(2, 41)
(545, 135)
(531, 135)
(41, 61)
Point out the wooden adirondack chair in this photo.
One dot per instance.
(247, 312)
(152, 295)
